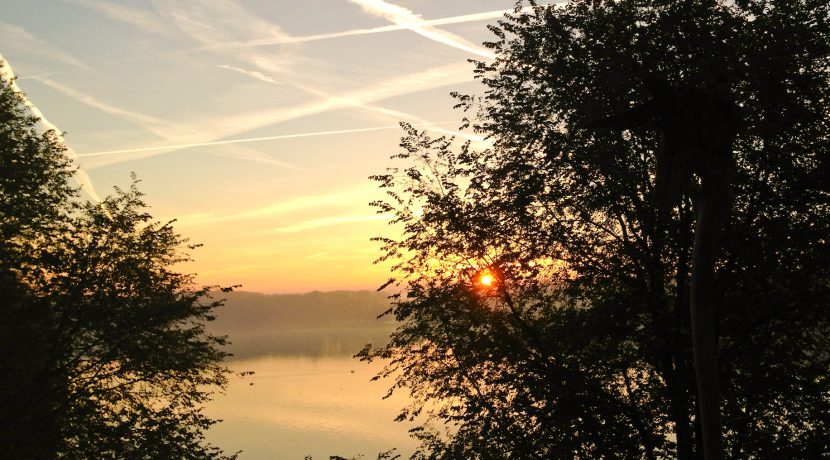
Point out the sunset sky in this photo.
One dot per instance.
(255, 123)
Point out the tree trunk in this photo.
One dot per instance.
(680, 415)
(713, 207)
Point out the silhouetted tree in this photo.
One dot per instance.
(34, 201)
(104, 350)
(697, 127)
(581, 347)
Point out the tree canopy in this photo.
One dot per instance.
(581, 345)
(104, 352)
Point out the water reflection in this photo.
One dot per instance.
(313, 342)
(308, 405)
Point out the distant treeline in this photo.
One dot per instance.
(251, 311)
(314, 323)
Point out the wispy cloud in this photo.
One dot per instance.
(234, 141)
(246, 154)
(7, 74)
(161, 128)
(393, 115)
(406, 18)
(344, 197)
(251, 73)
(209, 22)
(140, 18)
(390, 114)
(212, 21)
(234, 269)
(475, 17)
(326, 222)
(211, 132)
(18, 38)
(417, 121)
(150, 123)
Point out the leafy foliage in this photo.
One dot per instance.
(582, 347)
(104, 348)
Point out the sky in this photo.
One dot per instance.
(254, 123)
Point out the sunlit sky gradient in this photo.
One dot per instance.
(254, 122)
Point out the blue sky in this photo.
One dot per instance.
(255, 123)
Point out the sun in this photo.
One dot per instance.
(486, 279)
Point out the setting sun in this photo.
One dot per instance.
(486, 279)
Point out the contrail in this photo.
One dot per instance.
(236, 124)
(474, 17)
(299, 203)
(235, 141)
(255, 74)
(145, 121)
(409, 20)
(415, 120)
(7, 74)
(487, 15)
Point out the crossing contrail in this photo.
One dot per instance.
(407, 19)
(474, 17)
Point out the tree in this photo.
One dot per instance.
(104, 348)
(697, 127)
(581, 347)
(34, 176)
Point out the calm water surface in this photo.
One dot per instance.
(299, 406)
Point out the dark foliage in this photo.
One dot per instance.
(103, 348)
(581, 348)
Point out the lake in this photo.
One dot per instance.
(295, 406)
